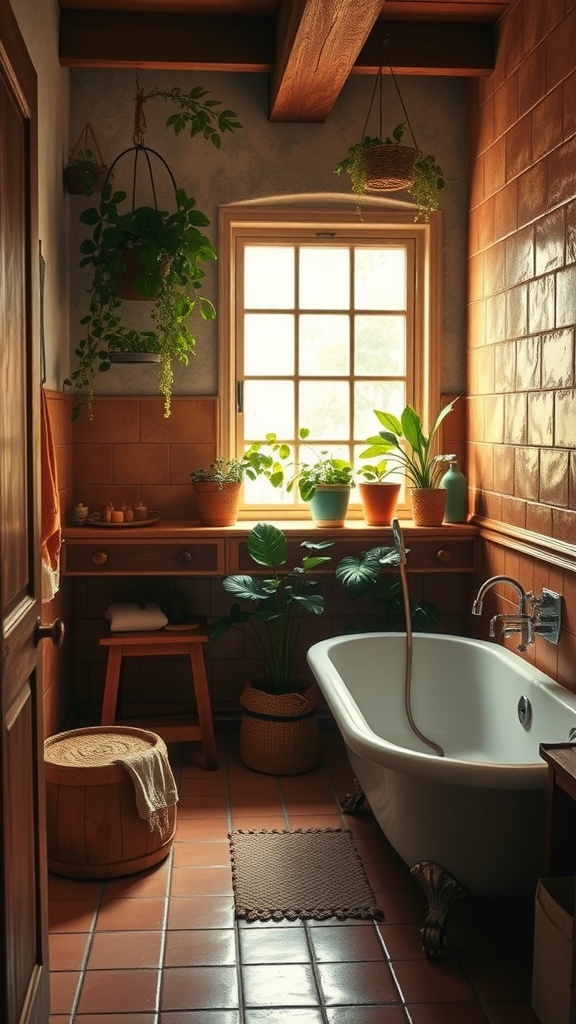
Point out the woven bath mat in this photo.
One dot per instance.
(304, 873)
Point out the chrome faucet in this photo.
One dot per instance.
(542, 619)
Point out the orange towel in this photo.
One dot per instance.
(51, 536)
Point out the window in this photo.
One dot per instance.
(324, 317)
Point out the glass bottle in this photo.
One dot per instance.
(454, 483)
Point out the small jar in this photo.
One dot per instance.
(80, 513)
(107, 512)
(128, 514)
(116, 516)
(140, 511)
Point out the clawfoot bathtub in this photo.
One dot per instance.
(474, 816)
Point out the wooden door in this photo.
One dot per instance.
(24, 974)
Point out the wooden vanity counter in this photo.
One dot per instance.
(173, 548)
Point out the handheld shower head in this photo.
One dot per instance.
(398, 541)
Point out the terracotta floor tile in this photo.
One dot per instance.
(213, 785)
(357, 983)
(202, 807)
(72, 888)
(509, 1012)
(424, 982)
(388, 876)
(71, 915)
(277, 985)
(212, 947)
(125, 950)
(119, 991)
(315, 821)
(115, 1018)
(198, 1017)
(500, 979)
(201, 829)
(376, 849)
(448, 1013)
(293, 1015)
(68, 951)
(198, 855)
(63, 989)
(402, 941)
(201, 912)
(274, 946)
(154, 882)
(367, 1015)
(199, 988)
(345, 944)
(132, 915)
(248, 821)
(202, 881)
(405, 907)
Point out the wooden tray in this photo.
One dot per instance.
(96, 520)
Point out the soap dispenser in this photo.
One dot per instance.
(454, 483)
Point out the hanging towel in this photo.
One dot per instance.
(126, 618)
(51, 531)
(154, 785)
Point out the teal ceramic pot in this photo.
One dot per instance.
(329, 505)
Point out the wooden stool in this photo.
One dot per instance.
(160, 642)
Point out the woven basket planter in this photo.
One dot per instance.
(389, 168)
(279, 732)
(428, 505)
(217, 504)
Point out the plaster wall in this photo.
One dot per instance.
(263, 160)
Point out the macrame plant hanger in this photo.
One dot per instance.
(389, 167)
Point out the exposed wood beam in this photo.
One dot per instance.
(190, 42)
(193, 42)
(317, 42)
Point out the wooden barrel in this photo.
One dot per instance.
(93, 826)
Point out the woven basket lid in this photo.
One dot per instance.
(97, 746)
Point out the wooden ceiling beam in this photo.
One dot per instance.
(451, 48)
(317, 42)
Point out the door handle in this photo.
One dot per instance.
(53, 631)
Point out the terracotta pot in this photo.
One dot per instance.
(217, 504)
(379, 502)
(279, 732)
(329, 505)
(428, 504)
(126, 286)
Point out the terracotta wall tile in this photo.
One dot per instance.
(517, 311)
(560, 164)
(485, 229)
(506, 104)
(113, 419)
(569, 106)
(560, 51)
(504, 366)
(528, 364)
(174, 502)
(514, 512)
(141, 463)
(495, 269)
(495, 317)
(558, 359)
(532, 193)
(540, 413)
(531, 75)
(566, 297)
(572, 481)
(92, 464)
(539, 519)
(520, 257)
(515, 410)
(477, 324)
(526, 472)
(192, 420)
(511, 39)
(550, 241)
(494, 419)
(541, 304)
(184, 458)
(485, 371)
(505, 217)
(547, 123)
(565, 418)
(476, 276)
(476, 186)
(554, 469)
(570, 253)
(518, 144)
(504, 469)
(564, 525)
(495, 166)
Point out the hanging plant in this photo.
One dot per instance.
(166, 248)
(377, 164)
(85, 171)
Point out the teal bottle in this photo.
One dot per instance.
(454, 483)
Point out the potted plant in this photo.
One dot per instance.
(404, 442)
(386, 166)
(279, 730)
(324, 482)
(378, 495)
(217, 488)
(360, 575)
(170, 249)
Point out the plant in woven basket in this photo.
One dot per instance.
(385, 165)
(405, 444)
(85, 170)
(277, 600)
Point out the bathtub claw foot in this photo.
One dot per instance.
(441, 891)
(352, 802)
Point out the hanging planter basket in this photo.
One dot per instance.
(390, 168)
(85, 171)
(126, 284)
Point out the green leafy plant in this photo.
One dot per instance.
(429, 178)
(253, 463)
(171, 249)
(360, 575)
(376, 472)
(84, 172)
(279, 599)
(196, 114)
(307, 476)
(404, 442)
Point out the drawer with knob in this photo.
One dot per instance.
(151, 558)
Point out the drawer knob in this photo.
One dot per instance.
(184, 558)
(99, 558)
(444, 556)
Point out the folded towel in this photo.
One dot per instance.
(126, 618)
(154, 785)
(50, 511)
